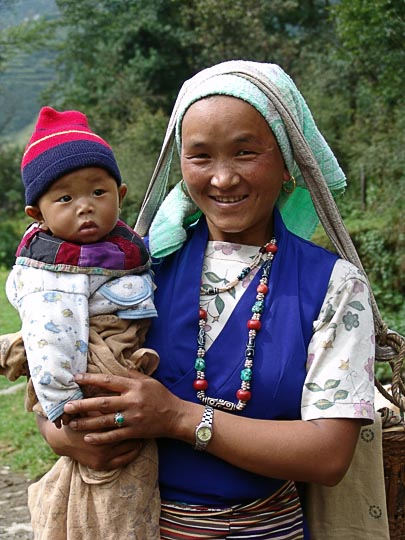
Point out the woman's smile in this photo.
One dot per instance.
(231, 163)
(228, 200)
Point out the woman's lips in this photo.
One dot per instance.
(228, 200)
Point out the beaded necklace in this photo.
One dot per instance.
(243, 394)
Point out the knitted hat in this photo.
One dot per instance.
(62, 142)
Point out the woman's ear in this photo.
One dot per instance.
(35, 213)
(286, 175)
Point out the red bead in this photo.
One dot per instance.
(200, 384)
(254, 324)
(262, 288)
(202, 314)
(243, 395)
(271, 248)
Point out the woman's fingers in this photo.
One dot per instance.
(113, 456)
(103, 404)
(107, 384)
(126, 457)
(111, 383)
(103, 422)
(108, 437)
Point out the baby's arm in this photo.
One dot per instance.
(55, 334)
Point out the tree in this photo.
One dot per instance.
(372, 38)
(114, 51)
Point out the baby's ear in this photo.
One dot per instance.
(122, 191)
(34, 212)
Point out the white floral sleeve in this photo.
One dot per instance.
(53, 308)
(340, 364)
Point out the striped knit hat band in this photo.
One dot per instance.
(62, 142)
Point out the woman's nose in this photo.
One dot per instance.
(225, 177)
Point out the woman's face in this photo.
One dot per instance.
(233, 168)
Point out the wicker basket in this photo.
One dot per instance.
(394, 475)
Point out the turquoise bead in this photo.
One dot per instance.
(246, 374)
(199, 364)
(258, 307)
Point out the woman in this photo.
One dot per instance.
(266, 340)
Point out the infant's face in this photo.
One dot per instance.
(82, 206)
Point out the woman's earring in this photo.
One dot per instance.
(289, 185)
(184, 188)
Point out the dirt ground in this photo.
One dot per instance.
(14, 515)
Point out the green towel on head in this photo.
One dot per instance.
(271, 92)
(168, 230)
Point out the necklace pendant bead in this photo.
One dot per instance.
(245, 272)
(258, 307)
(200, 384)
(243, 395)
(246, 374)
(271, 248)
(203, 314)
(262, 288)
(254, 324)
(199, 364)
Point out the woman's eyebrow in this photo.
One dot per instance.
(246, 138)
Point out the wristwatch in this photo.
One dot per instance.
(204, 432)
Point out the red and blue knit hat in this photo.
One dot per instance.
(61, 143)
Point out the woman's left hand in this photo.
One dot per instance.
(148, 408)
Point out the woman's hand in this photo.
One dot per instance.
(66, 442)
(148, 408)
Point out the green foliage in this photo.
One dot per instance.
(116, 50)
(383, 258)
(11, 203)
(24, 449)
(9, 241)
(9, 318)
(113, 51)
(223, 29)
(136, 150)
(11, 186)
(372, 36)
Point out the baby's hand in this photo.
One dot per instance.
(64, 419)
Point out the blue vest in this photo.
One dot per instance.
(298, 284)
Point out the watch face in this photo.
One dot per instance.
(204, 433)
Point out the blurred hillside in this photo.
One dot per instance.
(26, 74)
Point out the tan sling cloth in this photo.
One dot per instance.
(74, 502)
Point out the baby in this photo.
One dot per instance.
(84, 292)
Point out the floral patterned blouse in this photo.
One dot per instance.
(340, 362)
